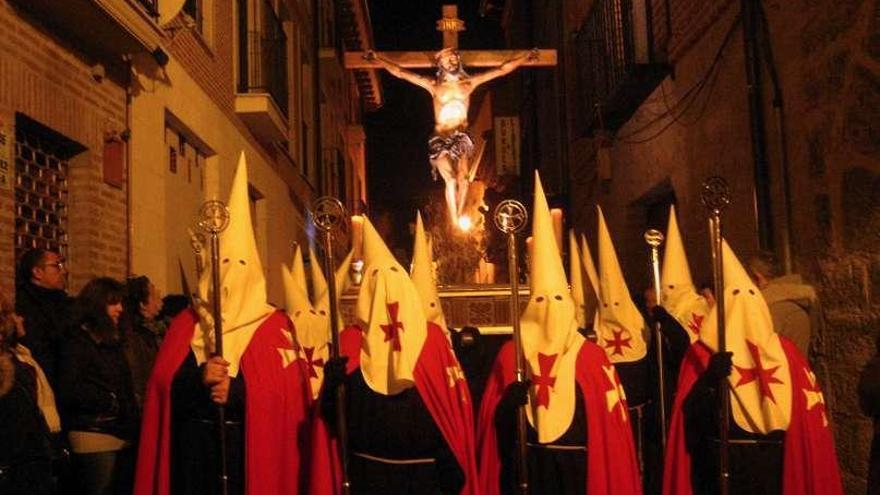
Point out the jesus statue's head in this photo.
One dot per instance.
(449, 65)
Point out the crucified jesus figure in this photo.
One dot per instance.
(451, 146)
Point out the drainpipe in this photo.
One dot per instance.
(786, 231)
(316, 91)
(126, 136)
(763, 206)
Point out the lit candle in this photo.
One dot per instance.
(489, 270)
(530, 248)
(556, 215)
(357, 235)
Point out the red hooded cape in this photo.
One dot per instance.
(275, 410)
(612, 466)
(809, 463)
(442, 388)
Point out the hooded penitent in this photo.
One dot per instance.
(395, 348)
(242, 283)
(677, 293)
(760, 385)
(391, 316)
(549, 330)
(423, 276)
(771, 388)
(559, 361)
(258, 342)
(620, 325)
(311, 328)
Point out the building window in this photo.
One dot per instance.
(195, 10)
(151, 7)
(41, 166)
(185, 156)
(262, 51)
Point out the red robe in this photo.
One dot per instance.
(275, 410)
(612, 466)
(809, 460)
(444, 392)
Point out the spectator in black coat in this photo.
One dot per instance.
(143, 331)
(95, 391)
(41, 300)
(27, 414)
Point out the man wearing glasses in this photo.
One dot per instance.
(41, 300)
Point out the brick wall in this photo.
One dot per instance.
(828, 56)
(209, 59)
(46, 80)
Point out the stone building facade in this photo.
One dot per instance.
(146, 113)
(695, 124)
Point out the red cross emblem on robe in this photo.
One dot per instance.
(763, 376)
(619, 342)
(696, 323)
(312, 363)
(543, 381)
(394, 327)
(815, 398)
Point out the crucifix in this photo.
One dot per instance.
(451, 147)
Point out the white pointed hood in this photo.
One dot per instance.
(423, 276)
(296, 290)
(392, 317)
(576, 276)
(589, 265)
(242, 282)
(621, 327)
(322, 291)
(550, 338)
(591, 290)
(760, 384)
(677, 292)
(311, 328)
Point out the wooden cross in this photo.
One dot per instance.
(450, 25)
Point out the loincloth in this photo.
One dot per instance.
(457, 145)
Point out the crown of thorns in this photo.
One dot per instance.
(444, 53)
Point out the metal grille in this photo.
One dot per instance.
(40, 194)
(604, 50)
(264, 56)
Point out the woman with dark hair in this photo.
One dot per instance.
(95, 391)
(28, 416)
(141, 306)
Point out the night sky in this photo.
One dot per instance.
(399, 174)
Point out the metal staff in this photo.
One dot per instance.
(510, 217)
(654, 238)
(716, 196)
(214, 218)
(328, 214)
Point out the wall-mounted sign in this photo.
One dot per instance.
(507, 145)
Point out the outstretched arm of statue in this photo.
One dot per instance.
(400, 72)
(505, 68)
